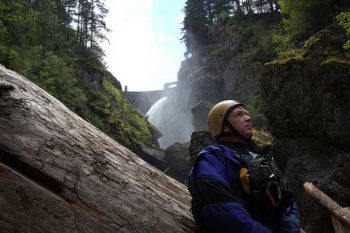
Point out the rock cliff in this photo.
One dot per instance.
(307, 104)
(230, 67)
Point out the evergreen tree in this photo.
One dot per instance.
(97, 24)
(90, 22)
(195, 25)
(69, 10)
(223, 7)
(237, 9)
(18, 30)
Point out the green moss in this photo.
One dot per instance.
(321, 45)
(296, 55)
(291, 56)
(96, 121)
(313, 40)
(344, 20)
(130, 126)
(99, 103)
(333, 59)
(113, 91)
(262, 141)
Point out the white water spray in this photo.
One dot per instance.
(174, 123)
(154, 113)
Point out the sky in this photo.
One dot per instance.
(144, 49)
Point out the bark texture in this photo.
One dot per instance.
(59, 173)
(340, 215)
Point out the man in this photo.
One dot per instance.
(234, 190)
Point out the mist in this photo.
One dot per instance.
(172, 117)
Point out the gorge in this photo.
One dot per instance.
(287, 61)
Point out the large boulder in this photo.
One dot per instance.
(199, 140)
(178, 161)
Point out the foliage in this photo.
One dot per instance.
(304, 17)
(125, 118)
(282, 39)
(301, 19)
(195, 25)
(59, 79)
(344, 20)
(200, 14)
(90, 22)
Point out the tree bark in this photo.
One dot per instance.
(340, 215)
(59, 173)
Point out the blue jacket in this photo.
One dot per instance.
(218, 200)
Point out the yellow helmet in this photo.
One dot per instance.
(217, 116)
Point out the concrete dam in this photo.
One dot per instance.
(143, 100)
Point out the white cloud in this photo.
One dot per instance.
(140, 54)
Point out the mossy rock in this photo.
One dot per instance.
(199, 140)
(110, 111)
(326, 45)
(261, 142)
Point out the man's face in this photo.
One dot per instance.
(240, 120)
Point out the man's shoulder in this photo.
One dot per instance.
(214, 149)
(218, 151)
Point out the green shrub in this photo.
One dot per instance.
(344, 20)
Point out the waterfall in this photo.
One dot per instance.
(154, 113)
(173, 122)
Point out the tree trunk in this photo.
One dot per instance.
(340, 215)
(59, 173)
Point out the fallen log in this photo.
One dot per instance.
(59, 173)
(340, 216)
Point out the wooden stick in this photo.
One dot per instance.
(342, 214)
